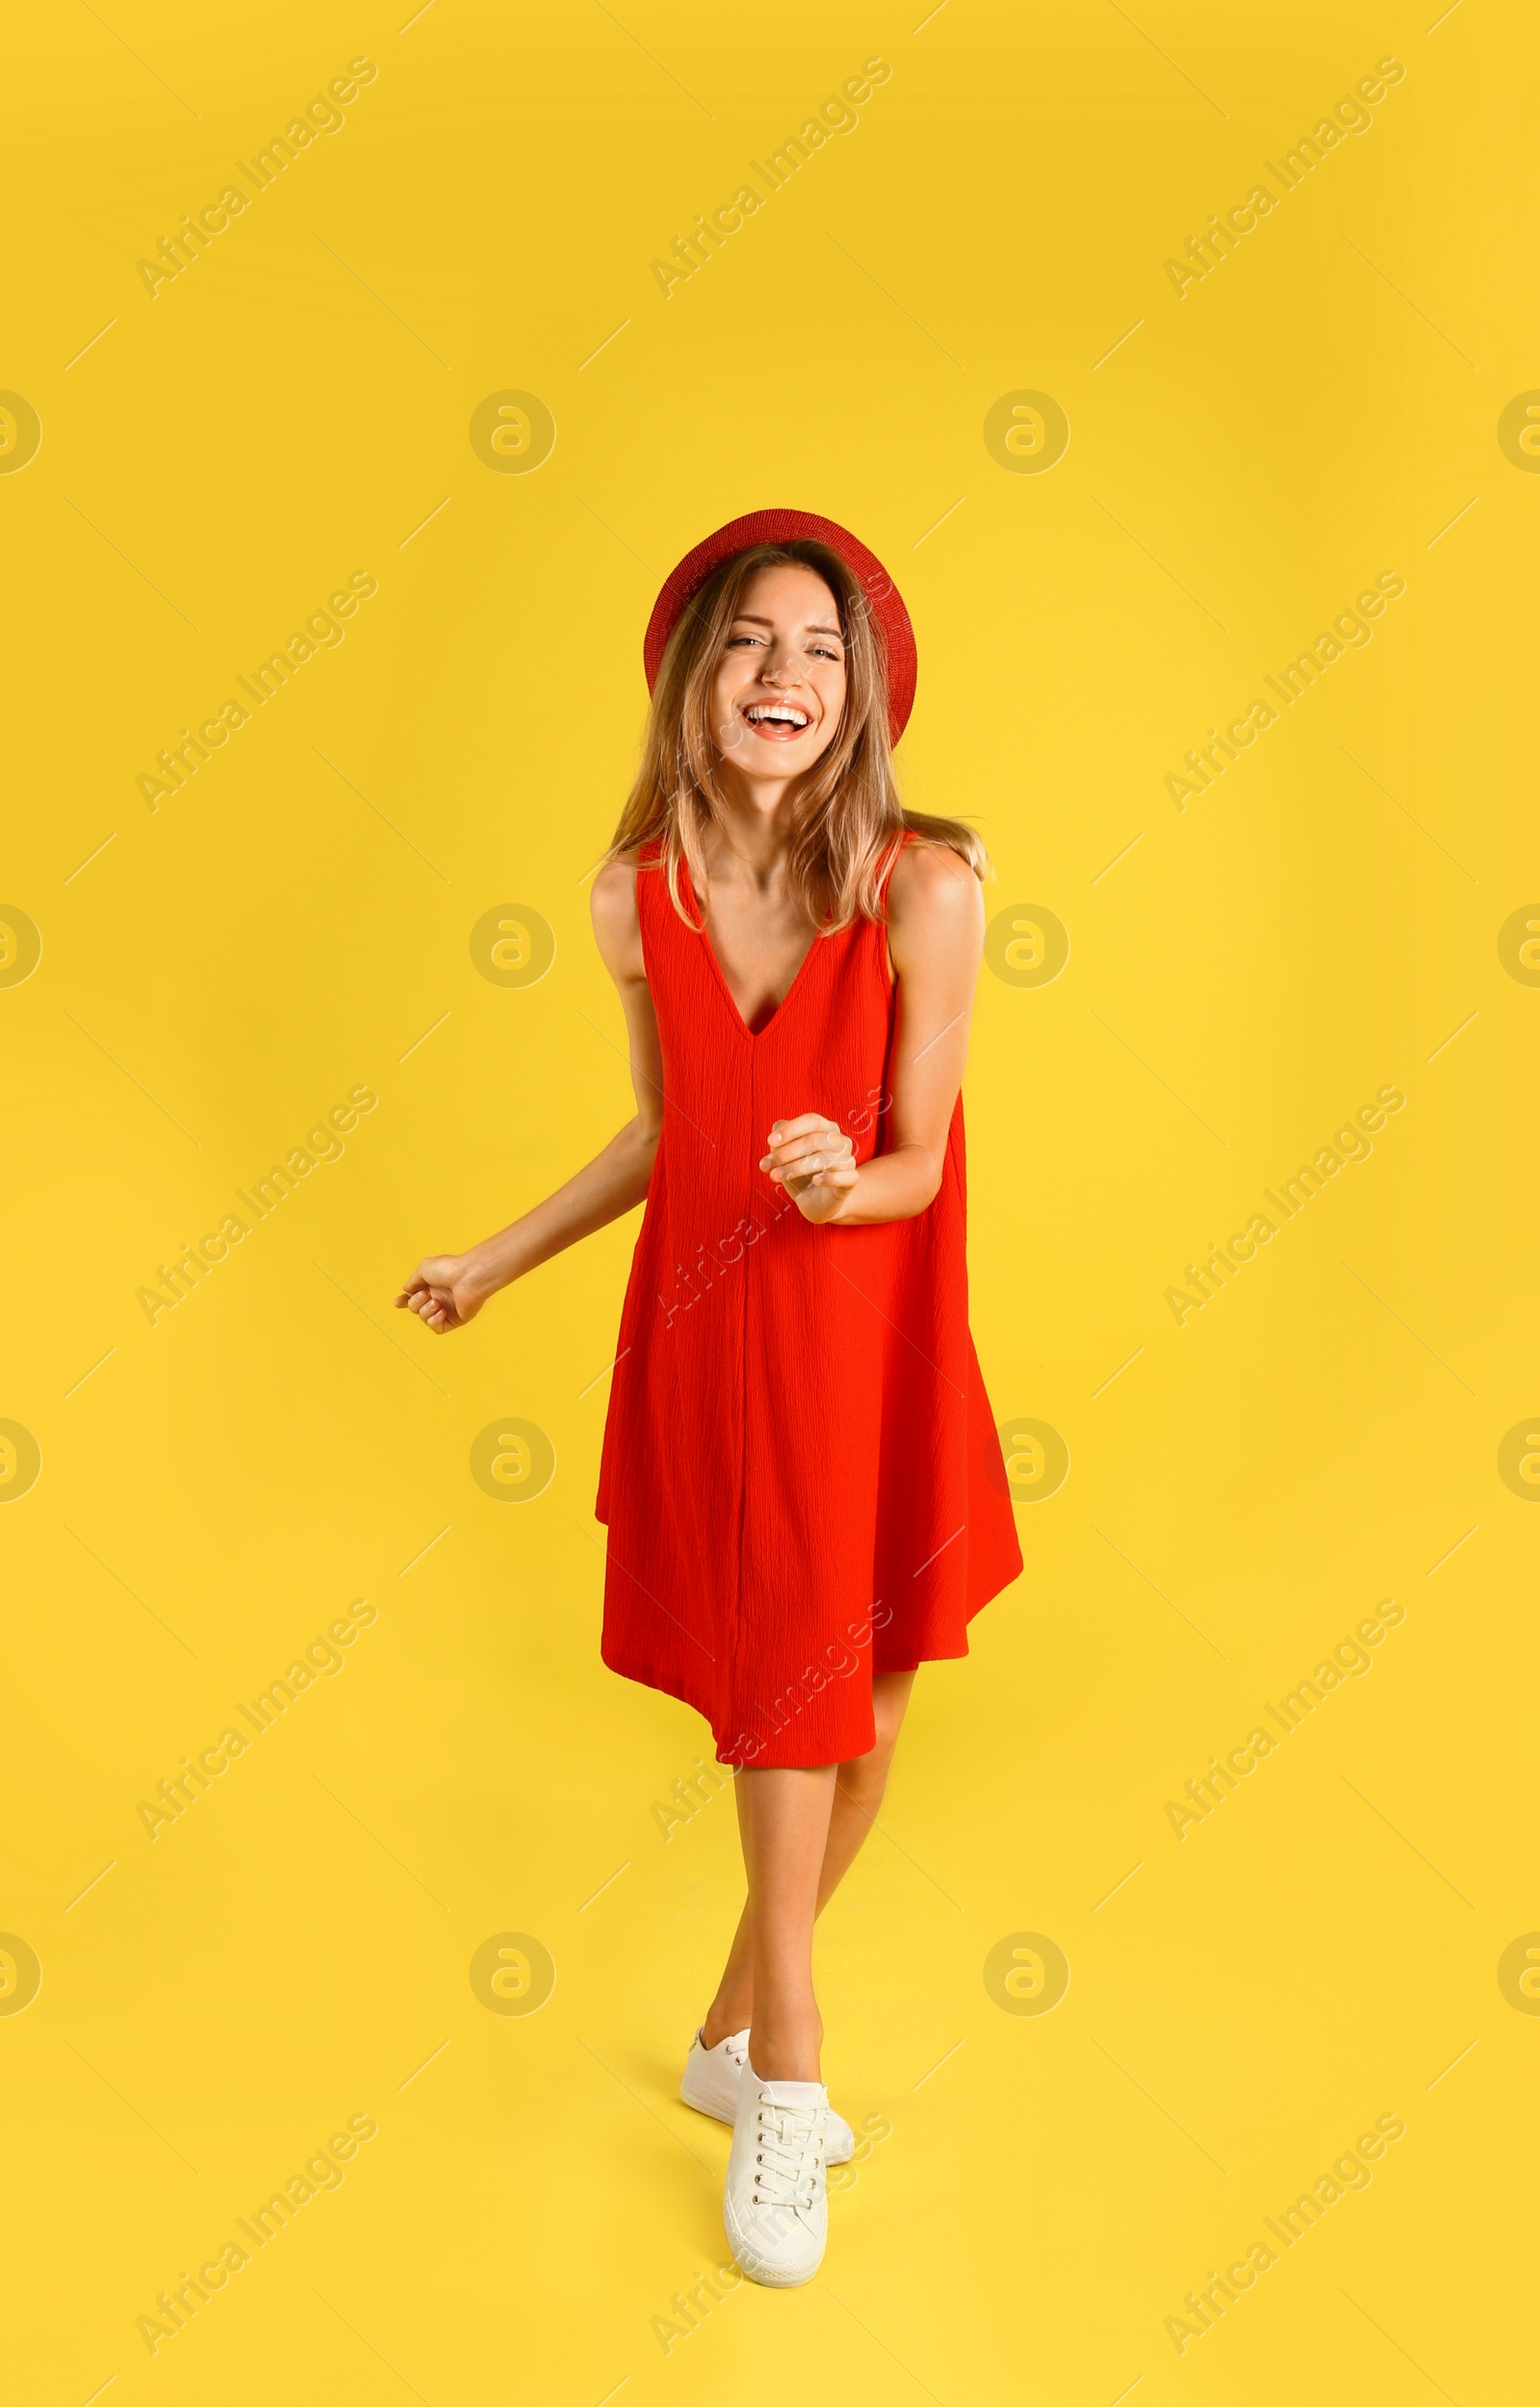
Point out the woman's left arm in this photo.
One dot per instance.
(936, 936)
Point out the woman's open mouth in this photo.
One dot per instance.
(777, 722)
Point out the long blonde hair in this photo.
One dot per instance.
(847, 817)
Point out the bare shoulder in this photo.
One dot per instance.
(933, 900)
(612, 909)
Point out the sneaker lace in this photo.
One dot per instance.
(789, 2154)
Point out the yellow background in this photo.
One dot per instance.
(215, 1489)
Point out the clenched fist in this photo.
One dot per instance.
(814, 1161)
(444, 1292)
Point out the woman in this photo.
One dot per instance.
(803, 1484)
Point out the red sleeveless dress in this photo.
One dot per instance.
(799, 1472)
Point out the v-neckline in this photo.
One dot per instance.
(753, 1034)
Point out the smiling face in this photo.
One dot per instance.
(779, 690)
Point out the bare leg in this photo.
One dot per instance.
(733, 2007)
(857, 1794)
(861, 1783)
(783, 1823)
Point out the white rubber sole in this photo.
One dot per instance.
(761, 2270)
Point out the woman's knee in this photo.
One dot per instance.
(865, 1776)
(890, 1703)
(863, 1782)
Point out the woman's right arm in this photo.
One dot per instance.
(447, 1290)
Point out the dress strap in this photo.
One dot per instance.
(886, 869)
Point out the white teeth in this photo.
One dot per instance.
(777, 714)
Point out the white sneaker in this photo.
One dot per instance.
(775, 2206)
(710, 2084)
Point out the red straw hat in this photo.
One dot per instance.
(792, 527)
